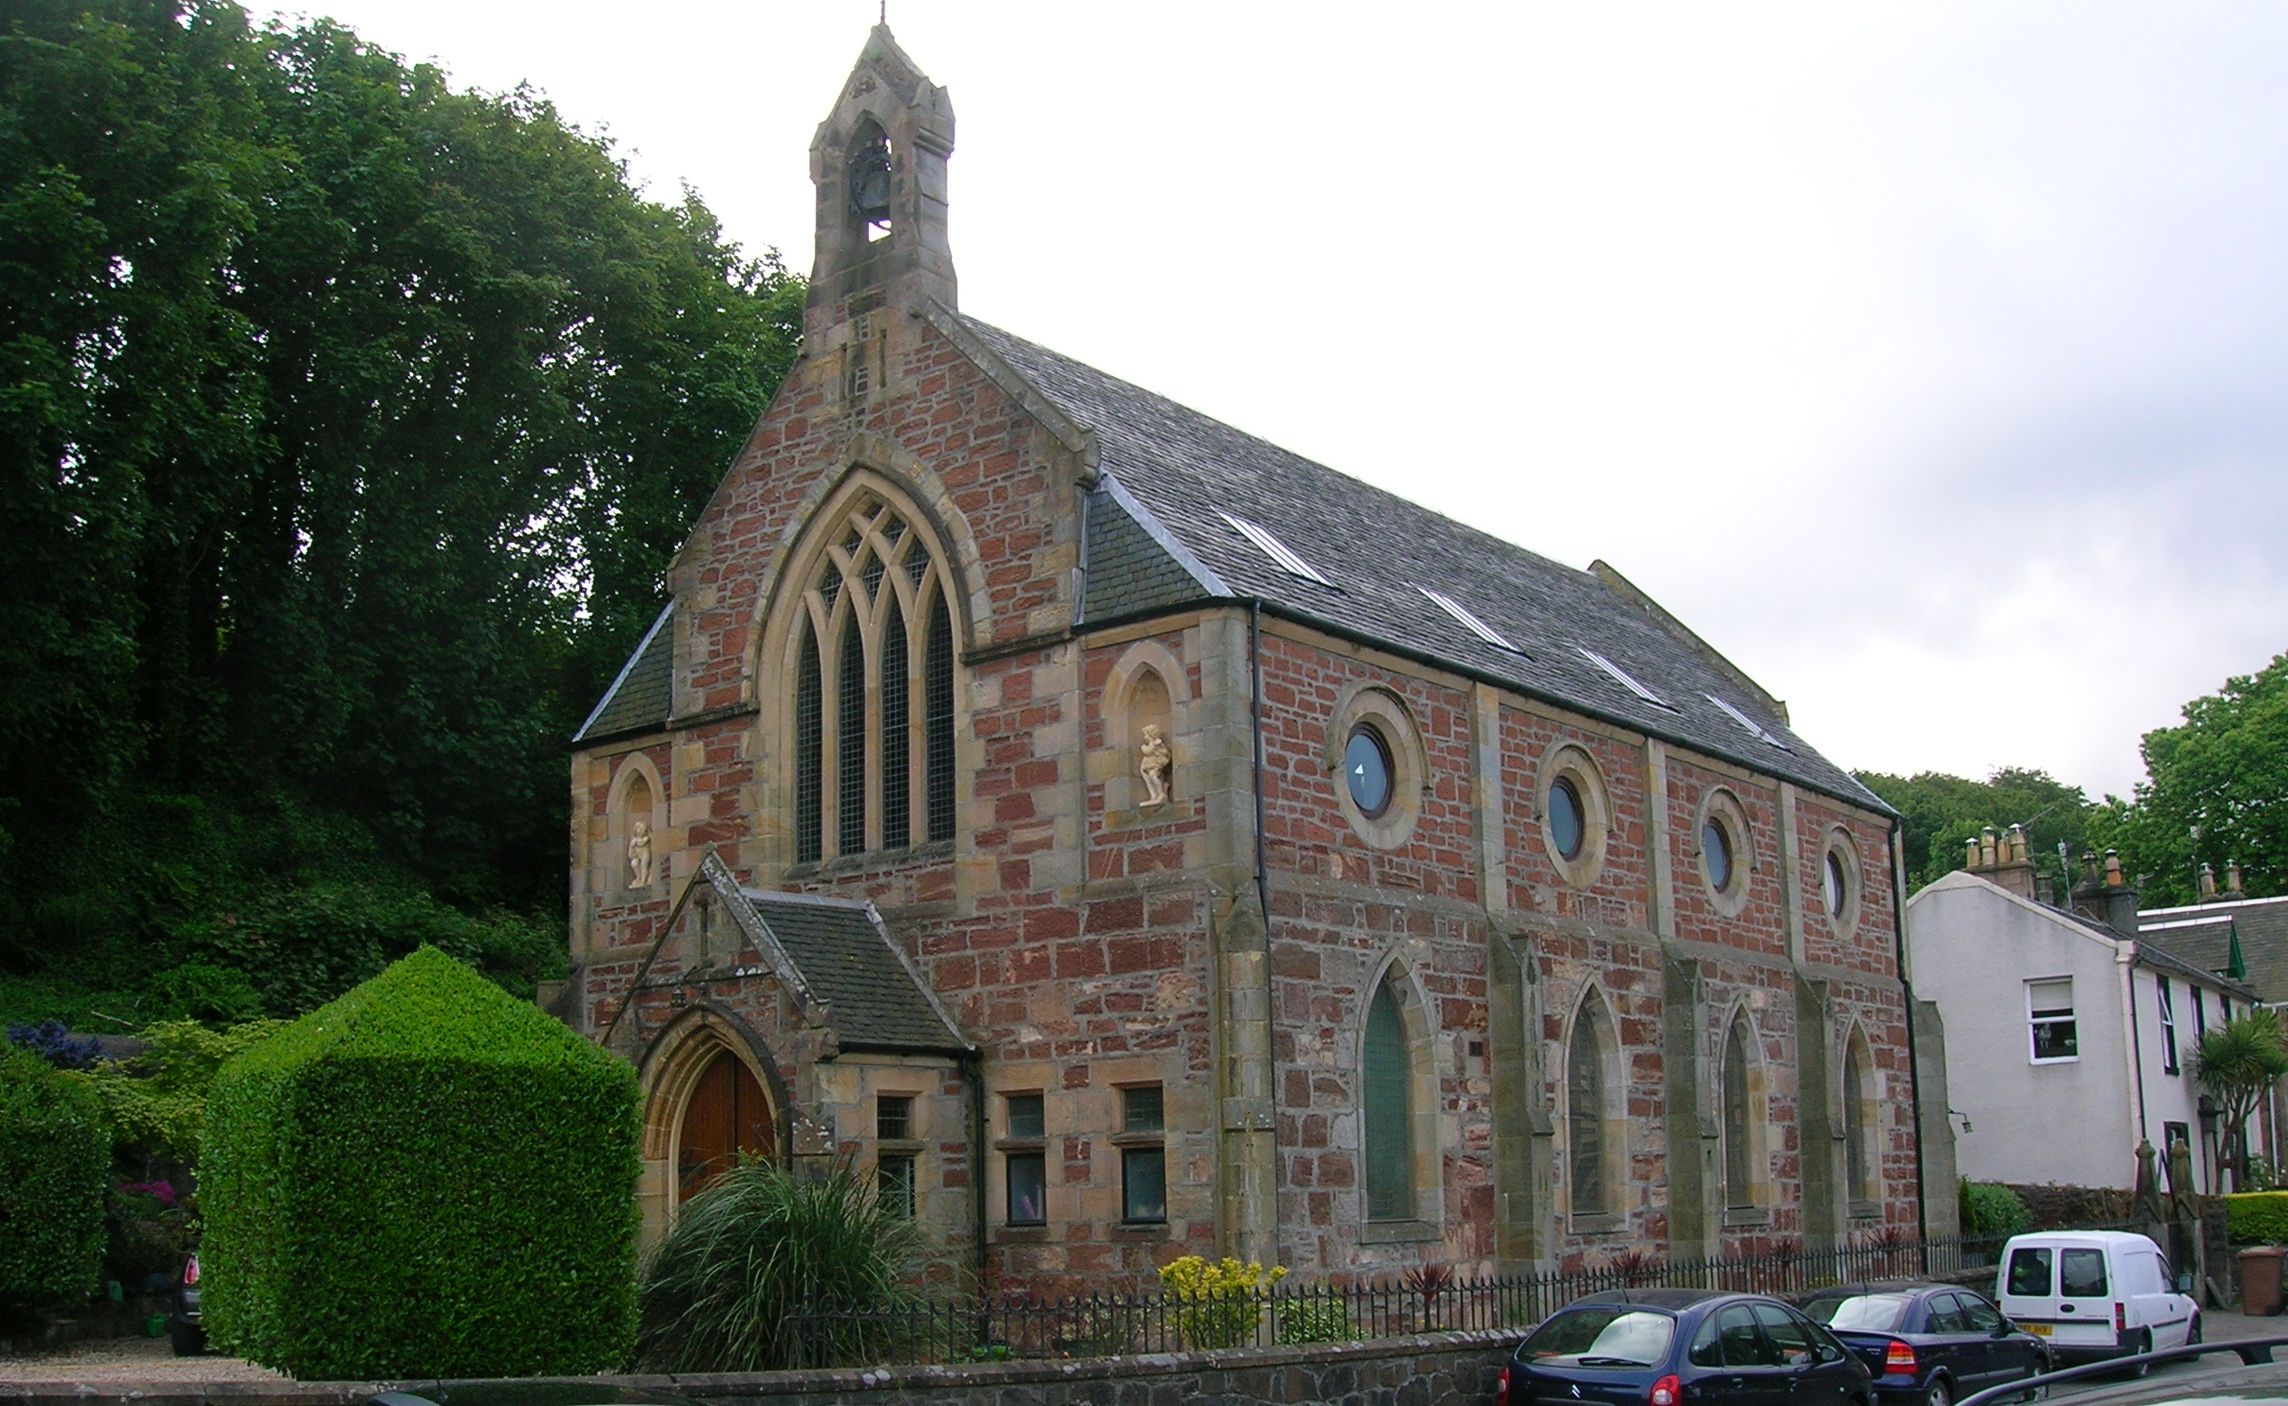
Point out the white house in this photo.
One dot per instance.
(2069, 1040)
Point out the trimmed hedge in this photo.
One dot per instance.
(424, 1178)
(54, 1165)
(2257, 1218)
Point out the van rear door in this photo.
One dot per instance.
(2058, 1291)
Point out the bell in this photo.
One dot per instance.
(869, 176)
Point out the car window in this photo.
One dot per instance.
(1706, 1349)
(2030, 1271)
(1982, 1316)
(1792, 1338)
(1743, 1345)
(1946, 1315)
(2081, 1274)
(1604, 1335)
(1860, 1313)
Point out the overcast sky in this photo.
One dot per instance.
(1927, 359)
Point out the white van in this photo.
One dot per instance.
(2094, 1294)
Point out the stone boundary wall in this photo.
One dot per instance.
(1438, 1367)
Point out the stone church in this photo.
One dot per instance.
(1120, 837)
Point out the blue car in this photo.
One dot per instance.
(1928, 1344)
(1682, 1347)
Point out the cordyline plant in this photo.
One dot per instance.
(2238, 1063)
(764, 1243)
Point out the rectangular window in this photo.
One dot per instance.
(2050, 1012)
(1143, 1156)
(895, 1155)
(894, 1184)
(2168, 1028)
(1025, 1157)
(2200, 1014)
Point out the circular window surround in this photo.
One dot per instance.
(1722, 809)
(1571, 762)
(1375, 707)
(1842, 860)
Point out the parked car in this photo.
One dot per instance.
(1663, 1347)
(185, 1329)
(1928, 1344)
(2094, 1294)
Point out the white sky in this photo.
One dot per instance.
(1925, 358)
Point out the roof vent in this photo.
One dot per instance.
(1621, 675)
(1469, 621)
(1753, 727)
(1275, 549)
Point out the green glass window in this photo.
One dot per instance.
(1739, 1180)
(1585, 1114)
(1388, 1115)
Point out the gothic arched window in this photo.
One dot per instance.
(1591, 1159)
(873, 691)
(1739, 1127)
(1387, 1073)
(1860, 1111)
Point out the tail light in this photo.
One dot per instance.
(1668, 1391)
(1501, 1389)
(2120, 1318)
(191, 1270)
(1899, 1357)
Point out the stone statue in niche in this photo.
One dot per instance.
(639, 855)
(1152, 765)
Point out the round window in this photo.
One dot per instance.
(1366, 767)
(1565, 827)
(1838, 885)
(1716, 854)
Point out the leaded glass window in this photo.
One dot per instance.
(1388, 1113)
(1739, 1162)
(1585, 1112)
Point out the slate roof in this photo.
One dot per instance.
(2198, 933)
(1181, 472)
(640, 697)
(1159, 538)
(846, 959)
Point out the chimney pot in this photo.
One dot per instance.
(2208, 882)
(2232, 878)
(2113, 877)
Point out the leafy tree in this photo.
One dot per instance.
(1939, 813)
(2239, 1062)
(346, 425)
(2216, 790)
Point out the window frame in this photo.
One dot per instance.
(2169, 1064)
(2052, 1018)
(1142, 1143)
(1024, 1145)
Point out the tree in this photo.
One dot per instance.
(1938, 813)
(347, 423)
(2239, 1062)
(2216, 791)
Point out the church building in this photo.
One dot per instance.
(1121, 838)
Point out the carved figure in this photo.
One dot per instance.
(639, 856)
(1152, 765)
(2184, 1200)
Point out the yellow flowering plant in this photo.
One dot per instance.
(1218, 1301)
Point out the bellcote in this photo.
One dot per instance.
(878, 166)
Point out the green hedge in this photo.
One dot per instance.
(426, 1177)
(54, 1165)
(2257, 1218)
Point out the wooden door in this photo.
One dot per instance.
(727, 1115)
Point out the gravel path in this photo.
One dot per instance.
(115, 1360)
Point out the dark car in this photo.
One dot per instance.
(1667, 1347)
(1928, 1344)
(185, 1329)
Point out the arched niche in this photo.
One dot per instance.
(635, 816)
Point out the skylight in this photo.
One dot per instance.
(1275, 549)
(1622, 676)
(1469, 621)
(1747, 722)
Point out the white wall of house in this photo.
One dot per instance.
(1990, 960)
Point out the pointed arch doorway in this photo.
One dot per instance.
(727, 1114)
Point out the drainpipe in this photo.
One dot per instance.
(2125, 958)
(1255, 670)
(1914, 1064)
(973, 1075)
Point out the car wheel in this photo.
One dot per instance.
(2194, 1335)
(2144, 1354)
(188, 1340)
(1936, 1393)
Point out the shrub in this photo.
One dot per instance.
(425, 1177)
(761, 1243)
(54, 1163)
(51, 1041)
(153, 1105)
(1315, 1317)
(1993, 1210)
(1218, 1302)
(2257, 1218)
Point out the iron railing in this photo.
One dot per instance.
(1422, 1301)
